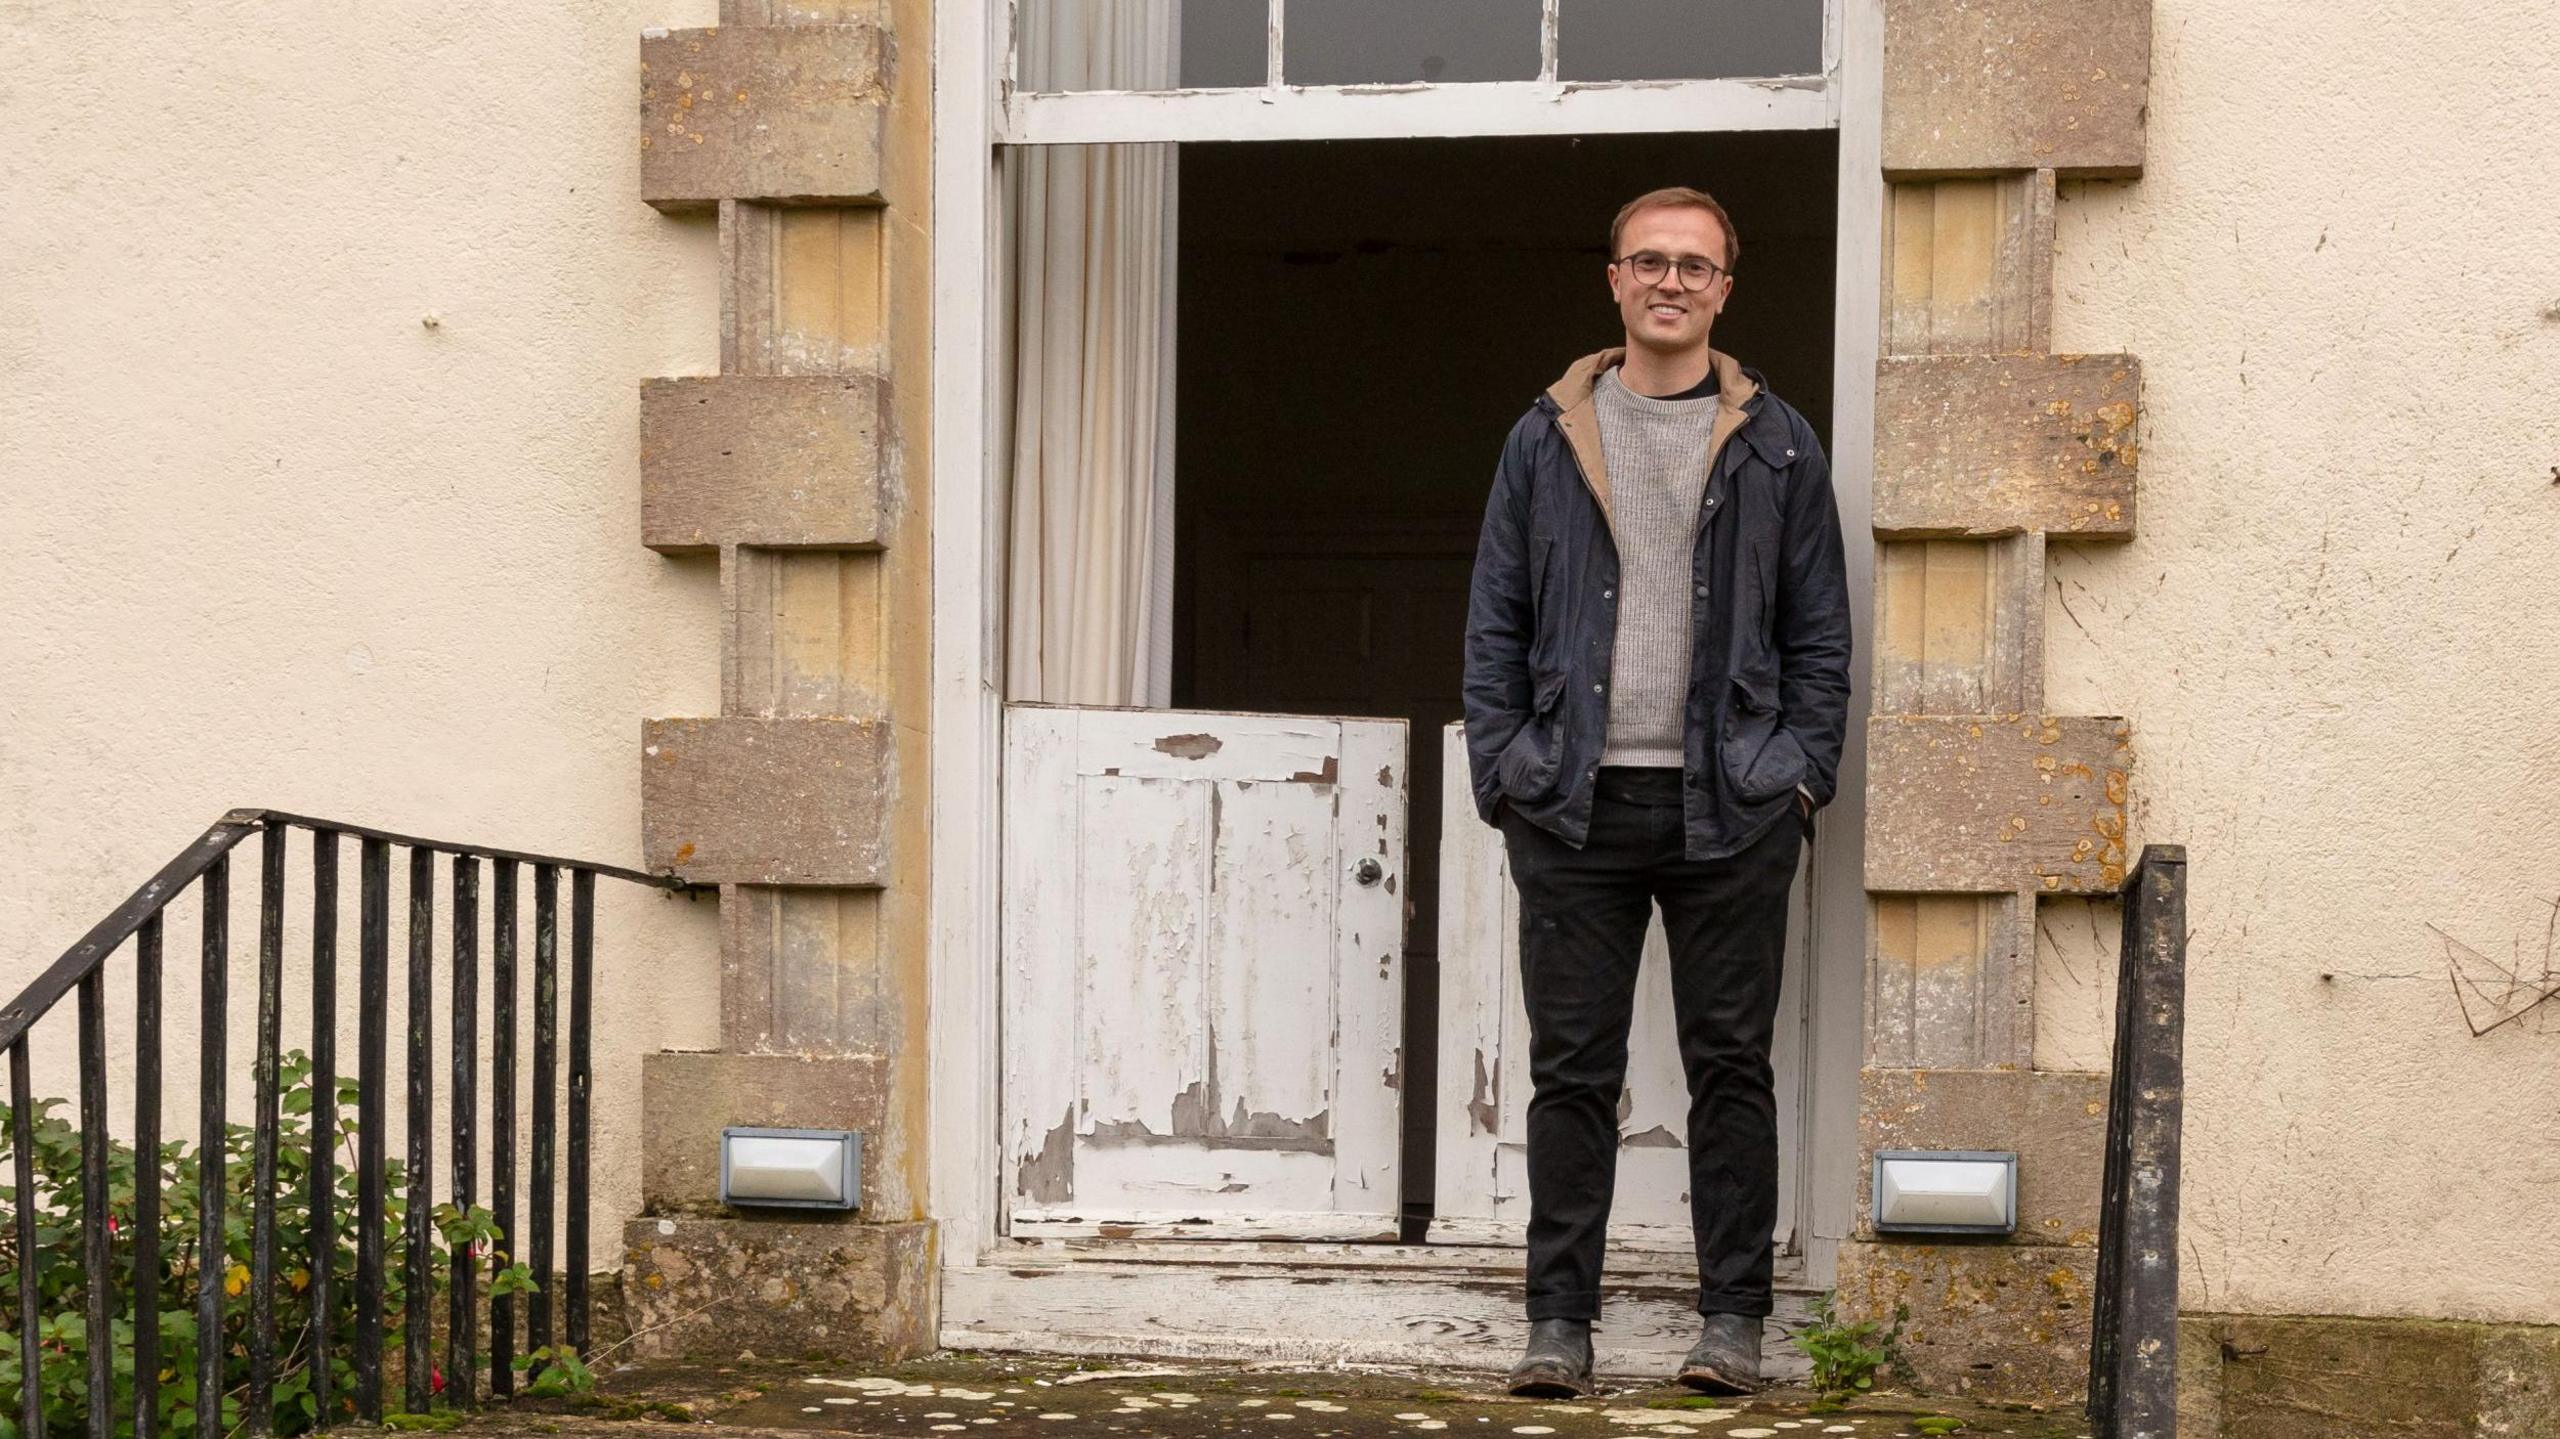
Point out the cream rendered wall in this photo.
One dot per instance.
(2335, 635)
(273, 537)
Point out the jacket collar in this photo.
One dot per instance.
(1737, 394)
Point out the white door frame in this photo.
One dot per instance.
(971, 117)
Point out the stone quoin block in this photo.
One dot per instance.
(772, 460)
(752, 800)
(790, 114)
(780, 1288)
(2294, 1376)
(2000, 1321)
(1990, 803)
(686, 1099)
(2057, 1124)
(1993, 85)
(2005, 444)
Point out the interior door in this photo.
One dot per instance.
(1203, 934)
(1481, 1178)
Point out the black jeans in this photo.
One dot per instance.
(1583, 914)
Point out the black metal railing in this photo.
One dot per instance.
(83, 971)
(2133, 1339)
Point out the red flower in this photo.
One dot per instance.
(435, 1379)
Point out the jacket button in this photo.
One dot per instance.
(1791, 454)
(1702, 592)
(1599, 689)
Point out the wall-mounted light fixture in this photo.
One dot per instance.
(1946, 1191)
(791, 1168)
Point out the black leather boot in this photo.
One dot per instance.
(1726, 1358)
(1557, 1363)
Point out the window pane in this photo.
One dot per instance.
(1685, 39)
(1143, 44)
(1395, 42)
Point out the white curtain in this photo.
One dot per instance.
(1089, 576)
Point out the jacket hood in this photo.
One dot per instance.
(1734, 389)
(1578, 418)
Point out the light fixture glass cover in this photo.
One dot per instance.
(791, 1168)
(1946, 1191)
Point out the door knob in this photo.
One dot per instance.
(1368, 871)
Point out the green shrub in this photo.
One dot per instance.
(63, 1278)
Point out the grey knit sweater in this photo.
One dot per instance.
(1656, 451)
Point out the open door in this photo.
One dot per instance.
(1203, 938)
(1482, 1177)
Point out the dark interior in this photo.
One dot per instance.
(1360, 324)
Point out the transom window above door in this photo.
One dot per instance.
(1103, 71)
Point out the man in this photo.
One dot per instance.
(1657, 682)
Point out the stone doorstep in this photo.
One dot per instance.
(1019, 1394)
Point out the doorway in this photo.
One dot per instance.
(1359, 323)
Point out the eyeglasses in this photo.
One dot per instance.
(1696, 271)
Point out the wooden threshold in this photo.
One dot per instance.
(1420, 1305)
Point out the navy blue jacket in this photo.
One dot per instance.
(1768, 699)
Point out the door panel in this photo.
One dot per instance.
(1481, 1178)
(1203, 972)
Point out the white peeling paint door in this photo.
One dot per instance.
(1203, 989)
(1482, 1108)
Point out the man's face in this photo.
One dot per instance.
(1664, 315)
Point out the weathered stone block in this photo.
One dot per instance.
(785, 114)
(2320, 1376)
(1999, 1321)
(687, 1099)
(2057, 1123)
(780, 1288)
(774, 460)
(2003, 444)
(754, 800)
(1994, 85)
(1990, 803)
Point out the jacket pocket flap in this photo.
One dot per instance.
(1757, 693)
(1544, 694)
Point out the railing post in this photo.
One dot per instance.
(502, 1116)
(2133, 1335)
(373, 984)
(417, 1275)
(322, 1172)
(582, 963)
(211, 1256)
(461, 1322)
(22, 1140)
(146, 1179)
(260, 1415)
(546, 1094)
(100, 1285)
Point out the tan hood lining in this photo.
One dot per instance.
(1579, 419)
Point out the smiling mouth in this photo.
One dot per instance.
(1668, 311)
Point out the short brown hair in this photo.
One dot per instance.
(1678, 195)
